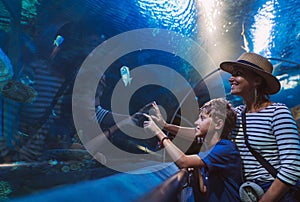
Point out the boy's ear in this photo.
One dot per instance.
(219, 123)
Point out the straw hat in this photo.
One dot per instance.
(258, 64)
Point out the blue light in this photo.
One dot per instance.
(176, 15)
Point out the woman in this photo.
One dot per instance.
(271, 129)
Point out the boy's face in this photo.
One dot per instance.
(203, 124)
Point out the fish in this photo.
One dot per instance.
(57, 43)
(125, 74)
(246, 43)
(58, 40)
(27, 80)
(53, 113)
(277, 65)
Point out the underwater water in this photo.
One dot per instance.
(54, 53)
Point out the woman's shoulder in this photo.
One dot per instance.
(278, 106)
(275, 106)
(239, 109)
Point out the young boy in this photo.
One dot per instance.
(220, 164)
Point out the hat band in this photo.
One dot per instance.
(250, 63)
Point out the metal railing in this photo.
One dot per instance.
(169, 190)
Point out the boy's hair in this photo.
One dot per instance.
(220, 108)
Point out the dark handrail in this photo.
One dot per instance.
(168, 190)
(197, 185)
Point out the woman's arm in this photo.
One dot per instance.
(275, 192)
(95, 143)
(286, 134)
(287, 138)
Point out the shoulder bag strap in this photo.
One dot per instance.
(261, 160)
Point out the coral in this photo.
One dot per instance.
(19, 92)
(29, 8)
(5, 190)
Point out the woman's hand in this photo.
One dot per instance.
(157, 116)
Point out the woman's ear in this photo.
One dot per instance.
(257, 81)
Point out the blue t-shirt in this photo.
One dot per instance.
(222, 175)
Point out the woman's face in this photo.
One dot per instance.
(243, 82)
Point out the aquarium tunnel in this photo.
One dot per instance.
(62, 60)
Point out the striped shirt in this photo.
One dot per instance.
(47, 85)
(100, 114)
(273, 133)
